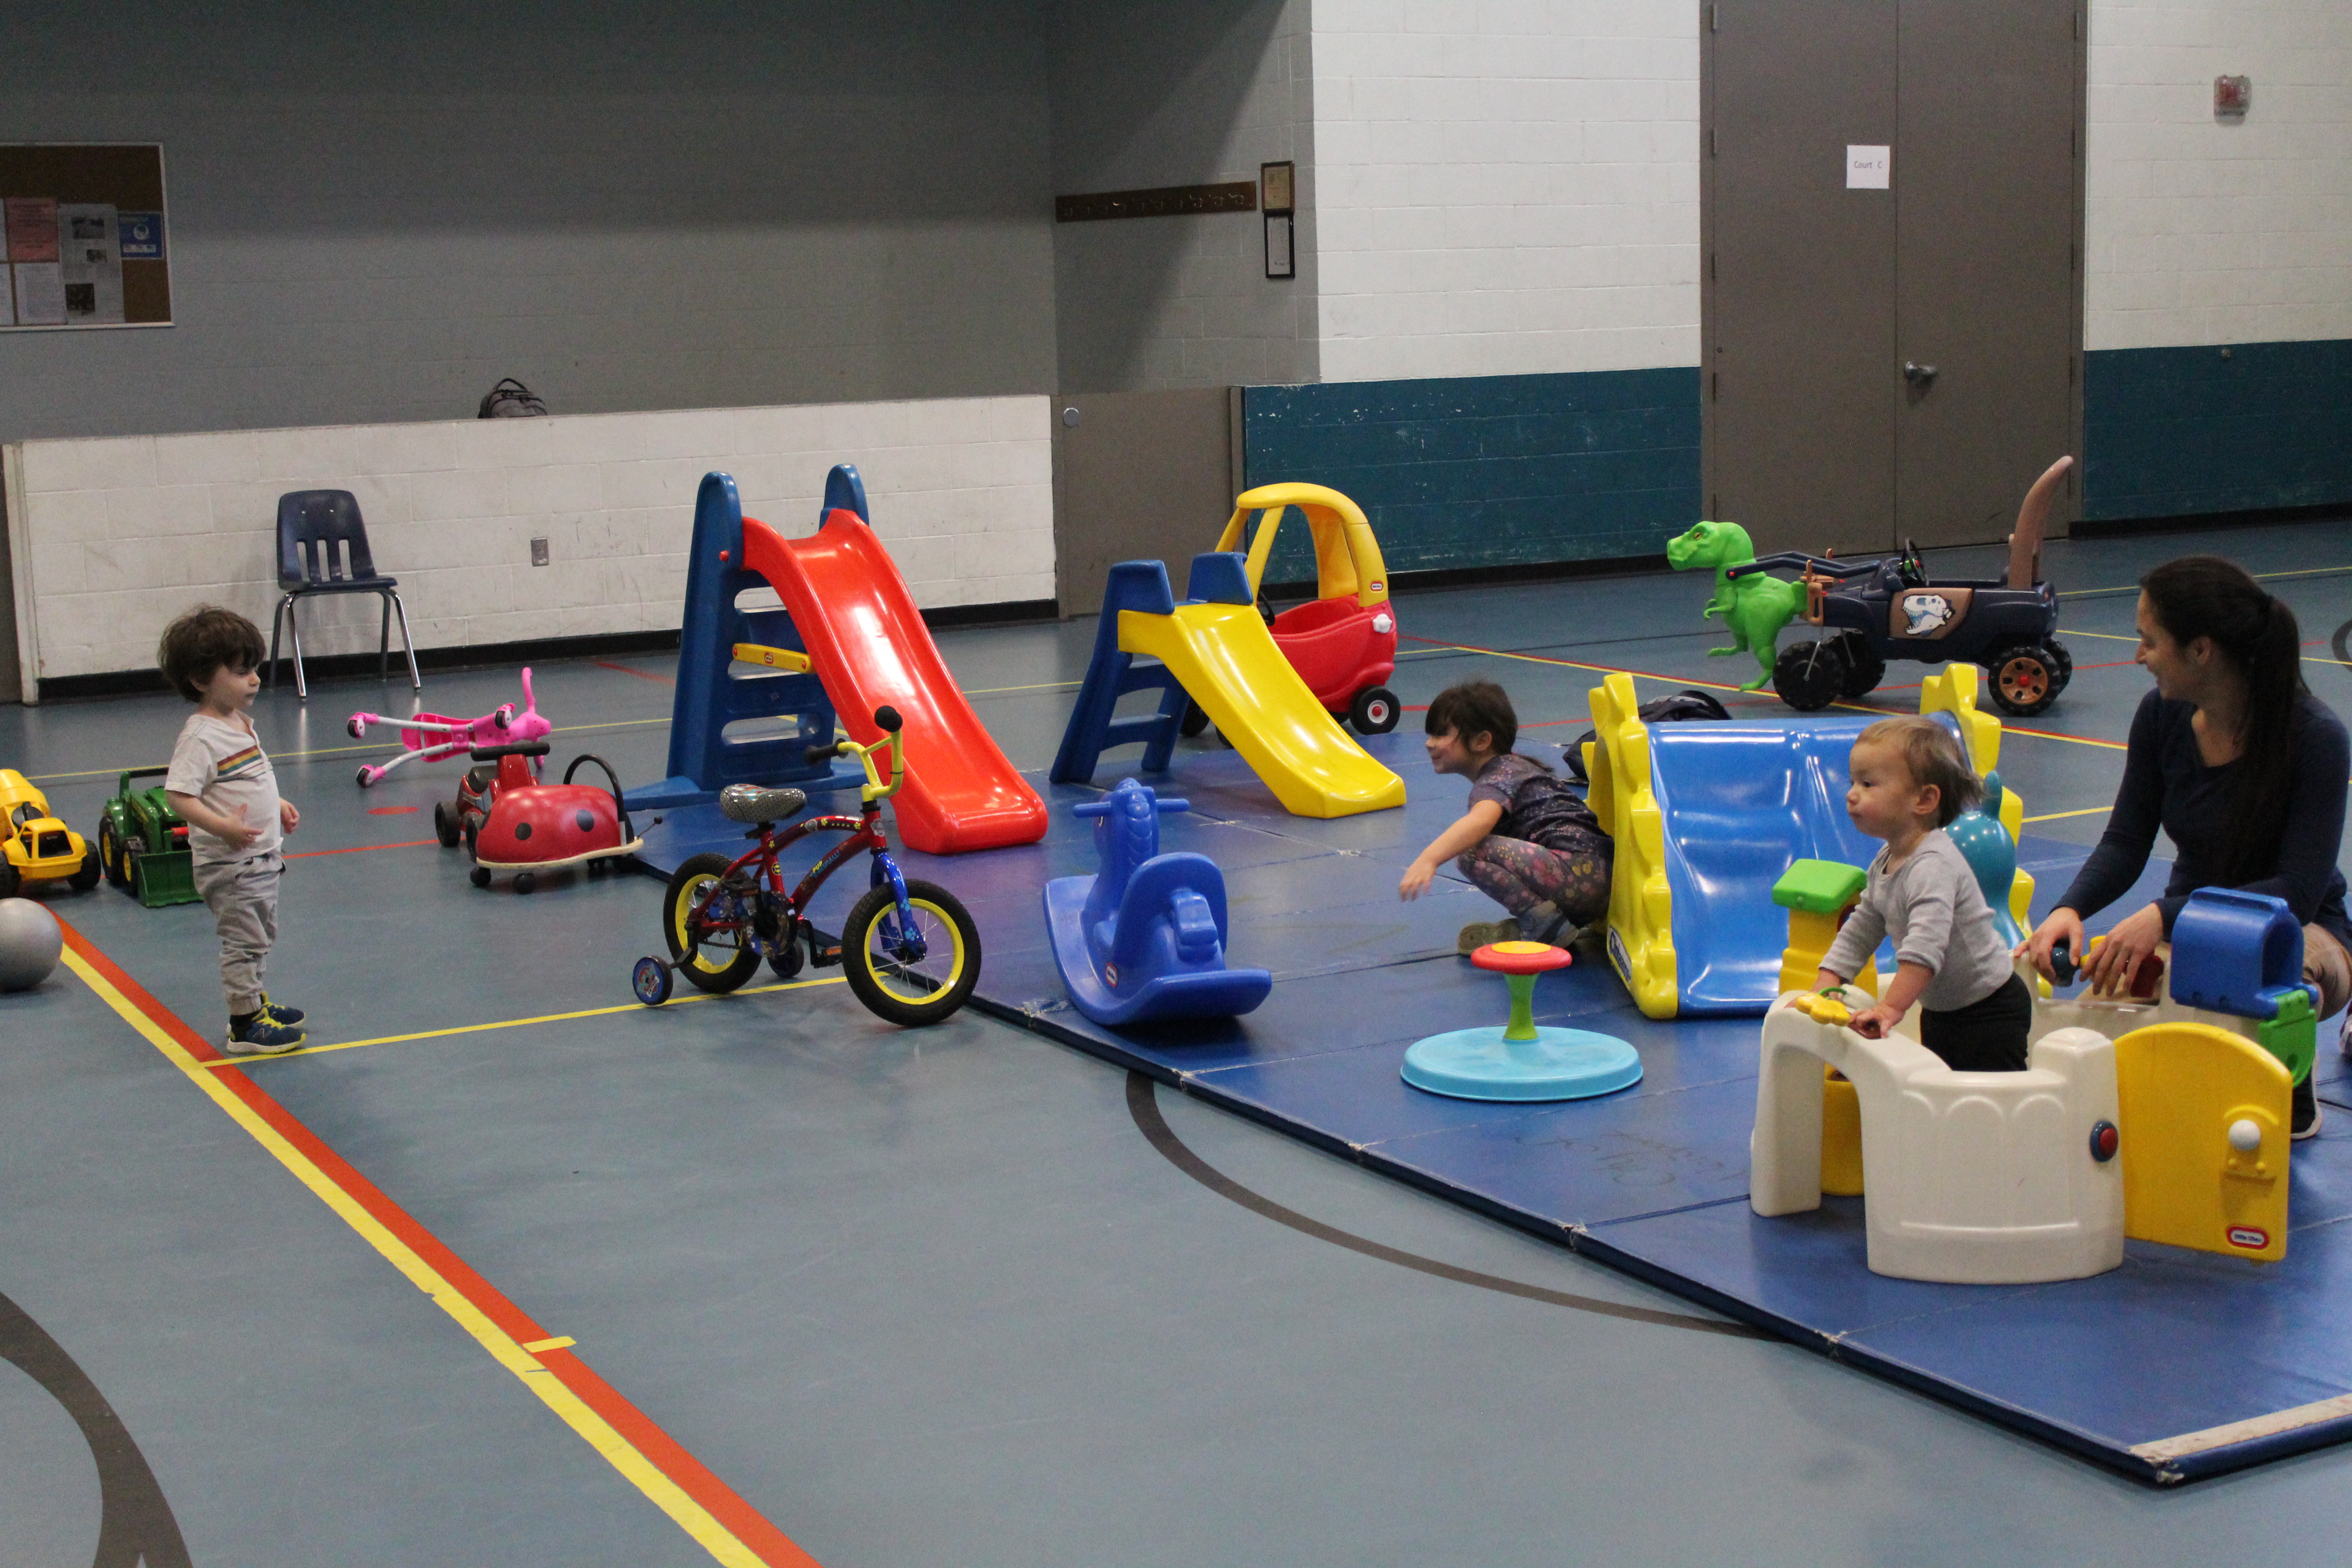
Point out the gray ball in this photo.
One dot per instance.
(30, 942)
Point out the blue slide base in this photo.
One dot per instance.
(2146, 1370)
(1558, 1064)
(1165, 998)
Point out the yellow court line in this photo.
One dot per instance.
(2006, 729)
(2060, 815)
(319, 752)
(559, 1342)
(1002, 690)
(516, 1023)
(599, 1434)
(2102, 637)
(2258, 576)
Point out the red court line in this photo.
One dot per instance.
(667, 1455)
(640, 674)
(362, 849)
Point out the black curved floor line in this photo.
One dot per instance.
(135, 1521)
(1143, 1104)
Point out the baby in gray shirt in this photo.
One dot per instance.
(1910, 780)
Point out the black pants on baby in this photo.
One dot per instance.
(1987, 1035)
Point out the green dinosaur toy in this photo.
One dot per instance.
(1755, 607)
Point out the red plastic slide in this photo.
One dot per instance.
(870, 647)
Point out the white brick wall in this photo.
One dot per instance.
(2201, 232)
(1505, 186)
(1143, 304)
(118, 535)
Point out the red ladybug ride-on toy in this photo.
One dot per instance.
(511, 822)
(1342, 642)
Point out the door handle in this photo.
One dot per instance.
(1917, 374)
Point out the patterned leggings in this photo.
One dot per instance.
(1518, 875)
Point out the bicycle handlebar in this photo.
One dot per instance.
(887, 718)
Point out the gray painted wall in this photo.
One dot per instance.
(1179, 93)
(376, 212)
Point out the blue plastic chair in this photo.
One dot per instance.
(311, 525)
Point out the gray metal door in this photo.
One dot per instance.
(1884, 362)
(1138, 476)
(1797, 301)
(1989, 243)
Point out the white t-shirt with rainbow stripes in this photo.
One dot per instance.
(221, 762)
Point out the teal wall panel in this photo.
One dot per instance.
(2177, 432)
(1488, 471)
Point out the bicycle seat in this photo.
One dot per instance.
(755, 803)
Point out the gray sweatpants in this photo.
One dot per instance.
(243, 897)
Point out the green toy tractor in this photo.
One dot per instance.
(143, 845)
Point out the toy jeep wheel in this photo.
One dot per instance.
(445, 827)
(87, 874)
(1374, 711)
(1864, 666)
(1195, 720)
(9, 880)
(110, 854)
(1809, 676)
(2026, 677)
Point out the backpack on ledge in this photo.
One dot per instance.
(510, 399)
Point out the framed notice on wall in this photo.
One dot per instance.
(83, 238)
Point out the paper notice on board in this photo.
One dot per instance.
(37, 281)
(93, 263)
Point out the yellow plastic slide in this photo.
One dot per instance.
(1226, 661)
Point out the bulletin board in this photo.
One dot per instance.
(82, 236)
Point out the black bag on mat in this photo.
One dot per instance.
(1688, 703)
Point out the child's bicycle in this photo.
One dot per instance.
(909, 948)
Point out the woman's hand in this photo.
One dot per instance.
(2060, 925)
(2111, 968)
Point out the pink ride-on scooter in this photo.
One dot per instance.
(457, 737)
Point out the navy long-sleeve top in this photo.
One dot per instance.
(2166, 783)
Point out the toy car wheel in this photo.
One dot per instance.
(881, 964)
(86, 876)
(1195, 720)
(650, 980)
(1864, 668)
(481, 876)
(2025, 678)
(357, 730)
(9, 880)
(1374, 712)
(2060, 660)
(110, 854)
(445, 827)
(366, 776)
(714, 955)
(525, 882)
(1809, 676)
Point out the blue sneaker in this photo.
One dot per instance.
(263, 1037)
(278, 1012)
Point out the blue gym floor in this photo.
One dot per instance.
(962, 1296)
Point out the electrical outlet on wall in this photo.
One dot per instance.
(539, 552)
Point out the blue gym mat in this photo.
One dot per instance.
(2178, 1365)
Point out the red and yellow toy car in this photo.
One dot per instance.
(511, 822)
(1342, 642)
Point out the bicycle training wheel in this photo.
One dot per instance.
(708, 934)
(879, 961)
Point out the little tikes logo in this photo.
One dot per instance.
(2252, 1238)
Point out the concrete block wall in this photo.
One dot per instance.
(113, 537)
(1505, 186)
(375, 213)
(2201, 232)
(1180, 92)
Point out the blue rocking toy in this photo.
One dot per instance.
(1144, 940)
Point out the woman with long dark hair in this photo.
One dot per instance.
(2235, 759)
